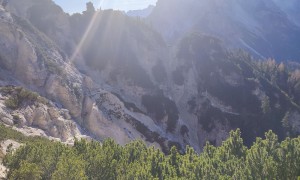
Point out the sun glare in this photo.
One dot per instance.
(86, 34)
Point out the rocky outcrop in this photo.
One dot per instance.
(41, 114)
(9, 145)
(54, 22)
(36, 63)
(3, 171)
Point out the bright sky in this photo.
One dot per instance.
(72, 6)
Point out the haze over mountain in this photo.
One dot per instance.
(77, 6)
(175, 78)
(291, 9)
(141, 13)
(264, 28)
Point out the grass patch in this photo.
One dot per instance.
(12, 103)
(9, 133)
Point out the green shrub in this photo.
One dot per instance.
(12, 103)
(53, 67)
(16, 119)
(9, 133)
(7, 90)
(19, 95)
(267, 158)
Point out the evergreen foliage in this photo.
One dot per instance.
(266, 159)
(9, 133)
(19, 96)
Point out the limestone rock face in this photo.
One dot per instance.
(38, 65)
(54, 22)
(17, 55)
(61, 93)
(2, 171)
(5, 144)
(50, 119)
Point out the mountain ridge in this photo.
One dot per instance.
(260, 27)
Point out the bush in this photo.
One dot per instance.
(19, 95)
(53, 67)
(265, 159)
(9, 133)
(12, 103)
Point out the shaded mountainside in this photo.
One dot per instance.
(234, 90)
(264, 28)
(291, 9)
(118, 46)
(115, 77)
(143, 13)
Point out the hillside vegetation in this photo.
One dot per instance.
(265, 159)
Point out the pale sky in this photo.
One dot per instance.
(72, 6)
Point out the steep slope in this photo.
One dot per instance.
(118, 46)
(291, 8)
(24, 109)
(130, 59)
(37, 62)
(47, 17)
(29, 58)
(220, 89)
(259, 26)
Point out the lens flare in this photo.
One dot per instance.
(86, 33)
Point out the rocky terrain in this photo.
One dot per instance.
(24, 109)
(107, 75)
(31, 60)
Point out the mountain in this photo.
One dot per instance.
(291, 9)
(141, 13)
(108, 75)
(41, 60)
(29, 59)
(264, 28)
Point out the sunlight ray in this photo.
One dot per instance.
(86, 34)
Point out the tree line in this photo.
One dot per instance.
(266, 159)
